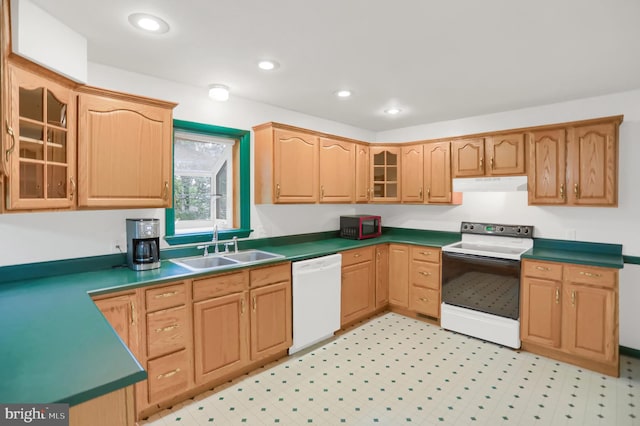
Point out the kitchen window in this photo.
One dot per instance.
(210, 183)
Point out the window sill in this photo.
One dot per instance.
(202, 237)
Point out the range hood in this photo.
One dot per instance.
(490, 184)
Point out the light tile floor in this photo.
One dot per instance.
(396, 370)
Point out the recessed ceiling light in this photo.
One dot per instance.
(268, 65)
(392, 111)
(219, 92)
(149, 23)
(344, 93)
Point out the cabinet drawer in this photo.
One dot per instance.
(425, 274)
(165, 297)
(426, 254)
(166, 331)
(548, 270)
(167, 376)
(270, 275)
(424, 301)
(351, 257)
(219, 285)
(601, 277)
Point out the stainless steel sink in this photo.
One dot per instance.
(250, 256)
(198, 263)
(224, 260)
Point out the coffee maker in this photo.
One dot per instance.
(143, 244)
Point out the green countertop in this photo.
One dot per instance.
(57, 347)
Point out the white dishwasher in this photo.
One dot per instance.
(316, 300)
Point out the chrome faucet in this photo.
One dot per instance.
(214, 238)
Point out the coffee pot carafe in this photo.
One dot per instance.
(143, 244)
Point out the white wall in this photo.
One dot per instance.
(40, 37)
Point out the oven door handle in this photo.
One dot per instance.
(481, 259)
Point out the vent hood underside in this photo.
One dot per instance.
(490, 184)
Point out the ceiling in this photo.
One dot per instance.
(436, 60)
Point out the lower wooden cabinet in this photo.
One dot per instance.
(271, 310)
(424, 285)
(399, 275)
(221, 342)
(358, 294)
(569, 312)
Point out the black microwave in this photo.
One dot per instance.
(360, 226)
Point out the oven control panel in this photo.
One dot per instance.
(497, 229)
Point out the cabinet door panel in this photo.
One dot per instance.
(547, 169)
(505, 154)
(437, 172)
(121, 314)
(412, 174)
(295, 167)
(167, 331)
(593, 157)
(399, 275)
(271, 326)
(220, 328)
(41, 143)
(337, 174)
(590, 314)
(124, 153)
(468, 157)
(358, 291)
(385, 163)
(363, 188)
(425, 301)
(541, 311)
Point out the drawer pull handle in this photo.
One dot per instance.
(590, 274)
(562, 191)
(169, 374)
(242, 306)
(426, 274)
(576, 190)
(167, 294)
(277, 191)
(254, 303)
(168, 328)
(573, 298)
(543, 268)
(557, 295)
(424, 299)
(425, 253)
(357, 255)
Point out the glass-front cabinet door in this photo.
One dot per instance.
(385, 173)
(41, 142)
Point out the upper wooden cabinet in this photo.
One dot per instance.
(124, 150)
(67, 146)
(363, 188)
(337, 174)
(286, 165)
(592, 164)
(495, 155)
(575, 164)
(40, 141)
(412, 174)
(437, 172)
(385, 173)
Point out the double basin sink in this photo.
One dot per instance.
(225, 260)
